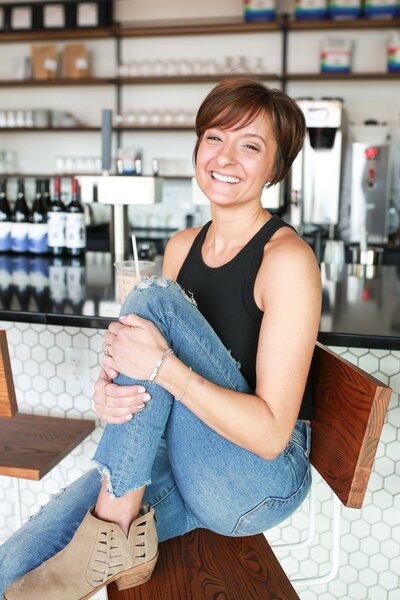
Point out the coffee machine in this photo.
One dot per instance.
(316, 172)
(370, 191)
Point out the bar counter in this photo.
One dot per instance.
(55, 313)
(361, 306)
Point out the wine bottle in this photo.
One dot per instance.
(38, 228)
(21, 219)
(56, 217)
(46, 193)
(5, 219)
(75, 230)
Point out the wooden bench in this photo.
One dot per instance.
(31, 445)
(350, 408)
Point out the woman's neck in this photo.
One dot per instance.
(232, 231)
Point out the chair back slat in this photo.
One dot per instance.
(8, 400)
(350, 409)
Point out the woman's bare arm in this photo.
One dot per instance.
(289, 281)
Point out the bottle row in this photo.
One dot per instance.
(38, 283)
(48, 226)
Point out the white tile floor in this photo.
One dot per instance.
(370, 544)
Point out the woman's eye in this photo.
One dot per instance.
(251, 147)
(213, 138)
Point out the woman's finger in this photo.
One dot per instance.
(134, 321)
(124, 402)
(121, 391)
(111, 373)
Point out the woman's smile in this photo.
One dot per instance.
(224, 178)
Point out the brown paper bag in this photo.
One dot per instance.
(44, 61)
(75, 61)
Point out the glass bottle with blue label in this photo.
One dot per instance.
(38, 229)
(75, 227)
(21, 221)
(5, 219)
(56, 218)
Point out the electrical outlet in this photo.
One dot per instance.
(77, 368)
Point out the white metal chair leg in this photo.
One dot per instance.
(18, 502)
(311, 528)
(306, 581)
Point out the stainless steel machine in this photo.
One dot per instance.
(370, 191)
(316, 172)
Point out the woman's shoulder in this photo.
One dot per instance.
(286, 244)
(289, 266)
(177, 250)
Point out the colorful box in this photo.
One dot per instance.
(336, 56)
(259, 10)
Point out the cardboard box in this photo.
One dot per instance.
(75, 61)
(44, 61)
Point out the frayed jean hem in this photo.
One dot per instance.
(105, 472)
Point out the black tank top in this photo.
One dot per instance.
(225, 297)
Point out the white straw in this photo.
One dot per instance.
(135, 255)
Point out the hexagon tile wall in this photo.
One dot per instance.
(370, 538)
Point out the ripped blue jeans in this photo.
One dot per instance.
(194, 476)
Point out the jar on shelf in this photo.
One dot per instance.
(259, 10)
(310, 9)
(380, 9)
(344, 9)
(393, 52)
(336, 56)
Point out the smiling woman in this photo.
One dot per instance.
(235, 104)
(194, 436)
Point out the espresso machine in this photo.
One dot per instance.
(316, 172)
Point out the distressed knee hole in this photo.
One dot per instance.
(147, 282)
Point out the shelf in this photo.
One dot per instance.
(185, 79)
(194, 27)
(42, 35)
(341, 76)
(90, 81)
(46, 175)
(69, 175)
(360, 23)
(156, 128)
(82, 128)
(161, 80)
(46, 129)
(191, 78)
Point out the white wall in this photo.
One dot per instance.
(368, 99)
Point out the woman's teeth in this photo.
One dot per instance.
(224, 178)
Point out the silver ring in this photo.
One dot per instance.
(106, 349)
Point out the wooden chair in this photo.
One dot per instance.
(350, 410)
(31, 445)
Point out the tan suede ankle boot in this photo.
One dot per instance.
(98, 553)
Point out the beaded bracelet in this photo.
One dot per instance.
(157, 368)
(185, 386)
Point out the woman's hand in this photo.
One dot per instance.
(117, 403)
(133, 346)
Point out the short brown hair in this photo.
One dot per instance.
(240, 100)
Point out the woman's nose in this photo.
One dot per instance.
(226, 155)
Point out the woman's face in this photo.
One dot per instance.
(233, 165)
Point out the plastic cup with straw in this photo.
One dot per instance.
(130, 272)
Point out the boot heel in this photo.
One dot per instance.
(137, 575)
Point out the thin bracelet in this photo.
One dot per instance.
(157, 368)
(185, 386)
